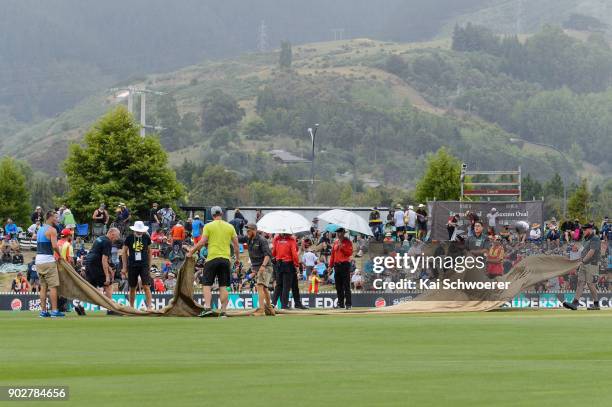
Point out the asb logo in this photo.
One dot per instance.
(380, 302)
(16, 304)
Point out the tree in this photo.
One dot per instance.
(442, 178)
(554, 187)
(396, 65)
(531, 188)
(46, 191)
(218, 110)
(173, 136)
(268, 193)
(14, 196)
(215, 186)
(579, 202)
(254, 128)
(117, 165)
(286, 55)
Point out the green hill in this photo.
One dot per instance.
(523, 16)
(378, 121)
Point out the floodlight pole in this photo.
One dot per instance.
(313, 136)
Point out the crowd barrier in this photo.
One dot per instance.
(31, 302)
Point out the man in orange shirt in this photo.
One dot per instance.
(341, 257)
(178, 234)
(285, 251)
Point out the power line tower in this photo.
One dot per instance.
(262, 37)
(129, 92)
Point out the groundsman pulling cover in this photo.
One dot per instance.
(528, 272)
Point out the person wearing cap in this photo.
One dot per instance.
(285, 252)
(553, 236)
(492, 219)
(98, 271)
(399, 221)
(66, 251)
(261, 261)
(535, 234)
(421, 214)
(589, 268)
(341, 258)
(376, 224)
(137, 258)
(314, 226)
(410, 217)
(218, 235)
(123, 215)
(196, 229)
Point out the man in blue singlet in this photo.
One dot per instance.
(46, 266)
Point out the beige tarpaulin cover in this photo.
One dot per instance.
(528, 272)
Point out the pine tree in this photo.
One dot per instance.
(579, 202)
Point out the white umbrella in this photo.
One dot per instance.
(283, 222)
(347, 220)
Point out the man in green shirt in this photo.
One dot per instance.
(589, 267)
(217, 235)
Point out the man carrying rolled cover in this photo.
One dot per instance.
(589, 268)
(46, 265)
(261, 260)
(218, 235)
(137, 259)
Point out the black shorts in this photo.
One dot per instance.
(95, 276)
(138, 270)
(219, 268)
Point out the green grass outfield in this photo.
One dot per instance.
(518, 358)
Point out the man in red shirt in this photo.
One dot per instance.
(285, 251)
(178, 235)
(341, 257)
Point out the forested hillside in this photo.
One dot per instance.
(56, 53)
(382, 108)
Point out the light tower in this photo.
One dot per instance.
(128, 92)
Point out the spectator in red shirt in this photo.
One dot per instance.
(285, 251)
(178, 235)
(341, 257)
(158, 284)
(20, 284)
